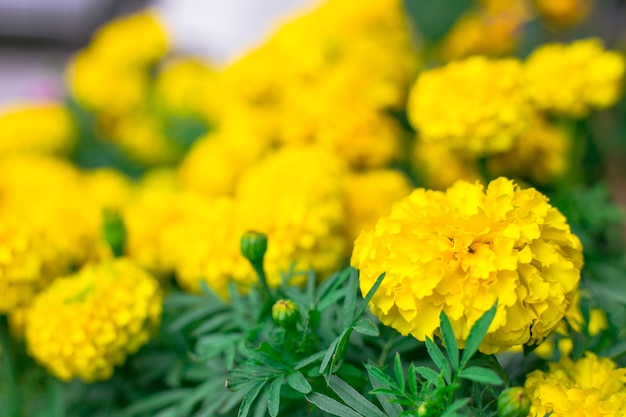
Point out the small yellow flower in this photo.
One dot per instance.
(572, 80)
(84, 325)
(477, 105)
(45, 127)
(563, 12)
(591, 386)
(461, 250)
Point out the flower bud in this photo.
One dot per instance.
(253, 246)
(513, 402)
(285, 312)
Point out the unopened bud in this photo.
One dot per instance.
(513, 402)
(253, 246)
(285, 312)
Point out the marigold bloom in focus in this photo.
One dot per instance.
(591, 386)
(461, 250)
(476, 105)
(574, 79)
(84, 325)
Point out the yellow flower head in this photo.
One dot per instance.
(295, 196)
(45, 127)
(477, 105)
(461, 250)
(591, 386)
(542, 154)
(574, 79)
(84, 325)
(563, 12)
(370, 195)
(438, 167)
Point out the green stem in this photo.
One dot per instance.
(7, 365)
(258, 268)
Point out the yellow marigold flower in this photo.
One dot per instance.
(107, 188)
(139, 39)
(370, 195)
(295, 197)
(45, 127)
(493, 30)
(215, 162)
(563, 12)
(476, 105)
(591, 386)
(183, 85)
(103, 86)
(438, 167)
(204, 244)
(461, 250)
(542, 154)
(574, 79)
(84, 325)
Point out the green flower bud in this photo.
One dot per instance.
(253, 246)
(513, 402)
(114, 231)
(285, 312)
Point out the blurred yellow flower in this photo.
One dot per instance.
(591, 386)
(563, 12)
(478, 105)
(571, 80)
(45, 127)
(461, 250)
(84, 325)
(296, 197)
(542, 154)
(437, 166)
(370, 195)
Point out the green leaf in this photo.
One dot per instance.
(311, 359)
(449, 339)
(369, 295)
(366, 327)
(212, 345)
(412, 380)
(379, 375)
(477, 334)
(428, 374)
(330, 352)
(297, 381)
(331, 406)
(481, 375)
(440, 360)
(388, 402)
(352, 398)
(273, 402)
(194, 315)
(158, 401)
(249, 397)
(210, 325)
(454, 407)
(349, 303)
(398, 370)
(329, 285)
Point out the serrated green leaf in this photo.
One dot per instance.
(331, 406)
(249, 397)
(273, 401)
(449, 340)
(477, 334)
(398, 370)
(353, 399)
(439, 359)
(366, 327)
(481, 375)
(297, 381)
